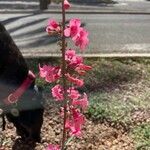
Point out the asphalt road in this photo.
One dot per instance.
(109, 33)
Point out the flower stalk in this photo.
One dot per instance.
(67, 76)
(64, 83)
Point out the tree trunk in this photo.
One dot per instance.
(43, 4)
(49, 1)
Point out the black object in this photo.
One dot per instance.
(27, 114)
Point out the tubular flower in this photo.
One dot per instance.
(53, 74)
(52, 27)
(81, 39)
(77, 33)
(78, 82)
(66, 4)
(72, 59)
(81, 102)
(82, 68)
(50, 73)
(73, 29)
(57, 92)
(43, 70)
(76, 62)
(73, 94)
(75, 123)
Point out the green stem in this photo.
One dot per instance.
(63, 76)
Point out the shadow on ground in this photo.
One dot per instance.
(30, 36)
(19, 144)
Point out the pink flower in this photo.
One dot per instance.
(75, 123)
(81, 102)
(82, 68)
(57, 92)
(73, 94)
(66, 4)
(43, 71)
(53, 74)
(73, 29)
(52, 26)
(81, 39)
(53, 147)
(72, 59)
(69, 54)
(78, 82)
(50, 73)
(77, 33)
(76, 62)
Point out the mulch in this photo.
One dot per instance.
(96, 136)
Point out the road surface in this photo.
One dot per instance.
(109, 33)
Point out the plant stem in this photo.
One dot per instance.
(63, 76)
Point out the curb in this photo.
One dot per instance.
(112, 55)
(74, 12)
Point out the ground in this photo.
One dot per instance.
(118, 117)
(95, 136)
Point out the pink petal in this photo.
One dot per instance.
(53, 147)
(72, 59)
(53, 23)
(67, 32)
(82, 68)
(78, 82)
(73, 94)
(52, 26)
(75, 22)
(81, 102)
(43, 70)
(57, 92)
(82, 39)
(66, 4)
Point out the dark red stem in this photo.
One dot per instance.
(63, 76)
